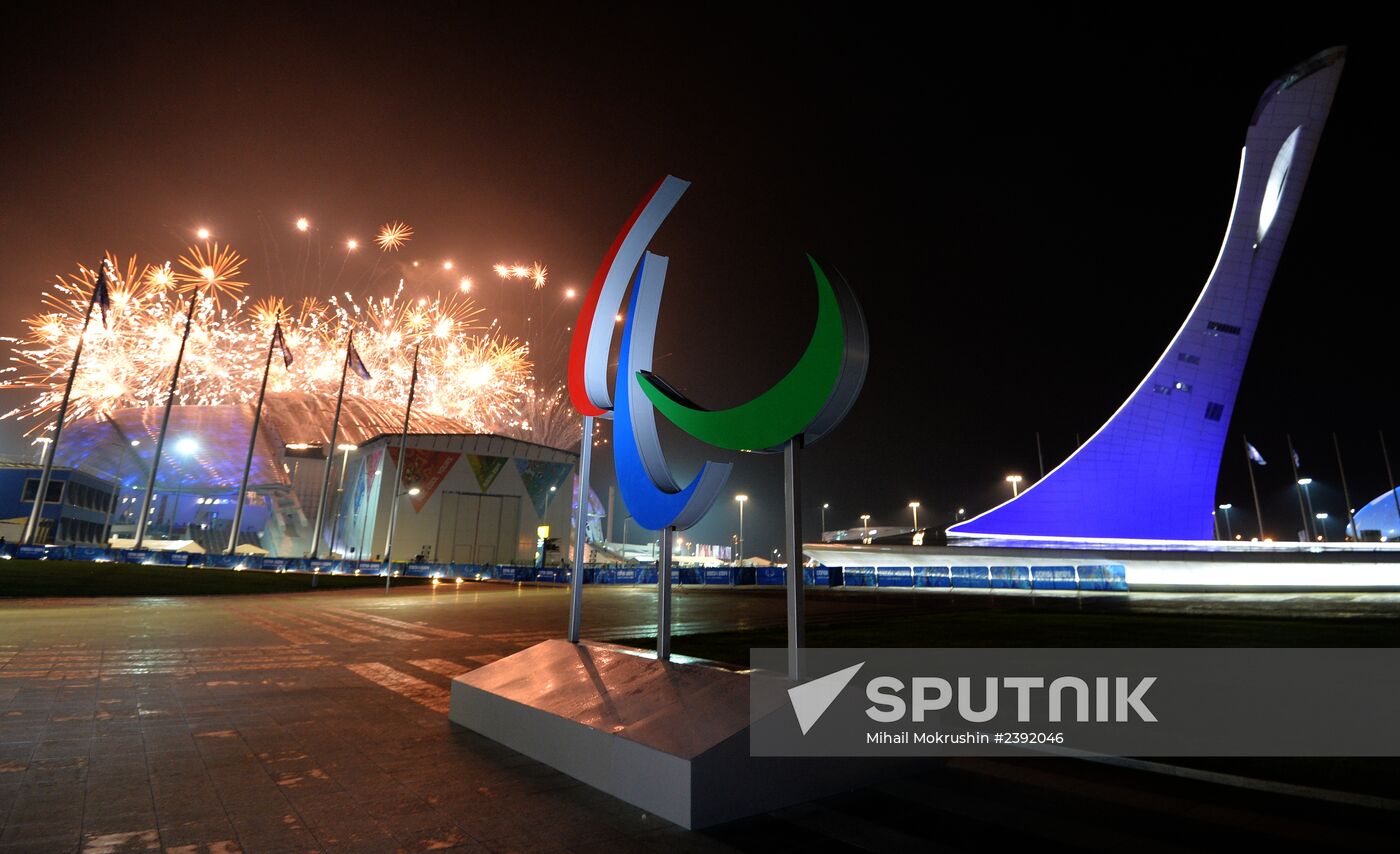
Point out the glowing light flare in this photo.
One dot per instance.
(352, 244)
(303, 224)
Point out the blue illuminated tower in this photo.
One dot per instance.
(1150, 471)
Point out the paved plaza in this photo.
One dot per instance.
(317, 722)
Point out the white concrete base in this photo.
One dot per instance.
(670, 738)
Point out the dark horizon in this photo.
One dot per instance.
(1027, 210)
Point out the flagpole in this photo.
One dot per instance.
(398, 476)
(252, 443)
(1249, 464)
(1346, 495)
(31, 528)
(330, 450)
(142, 518)
(1293, 460)
(1390, 476)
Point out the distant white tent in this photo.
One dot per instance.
(249, 549)
(188, 546)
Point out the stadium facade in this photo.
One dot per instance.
(465, 497)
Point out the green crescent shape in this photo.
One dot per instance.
(781, 412)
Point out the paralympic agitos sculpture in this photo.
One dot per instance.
(799, 409)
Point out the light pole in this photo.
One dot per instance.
(1225, 511)
(742, 499)
(1015, 481)
(1306, 483)
(865, 525)
(1322, 527)
(914, 505)
(825, 507)
(389, 540)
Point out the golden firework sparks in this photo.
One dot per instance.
(536, 272)
(212, 267)
(470, 372)
(393, 235)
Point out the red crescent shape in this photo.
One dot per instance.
(578, 347)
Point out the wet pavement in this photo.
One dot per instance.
(317, 722)
(300, 722)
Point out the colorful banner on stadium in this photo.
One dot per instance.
(539, 478)
(486, 468)
(425, 470)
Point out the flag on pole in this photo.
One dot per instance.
(280, 342)
(101, 294)
(1296, 462)
(357, 364)
(1254, 455)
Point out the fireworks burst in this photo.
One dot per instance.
(212, 267)
(536, 272)
(393, 235)
(476, 377)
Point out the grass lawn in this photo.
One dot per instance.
(83, 578)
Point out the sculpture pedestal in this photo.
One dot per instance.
(670, 738)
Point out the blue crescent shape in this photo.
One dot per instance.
(647, 487)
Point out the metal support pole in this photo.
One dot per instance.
(796, 604)
(663, 596)
(1390, 475)
(585, 465)
(1249, 464)
(1292, 460)
(320, 522)
(252, 443)
(1039, 455)
(1346, 494)
(31, 528)
(398, 476)
(145, 512)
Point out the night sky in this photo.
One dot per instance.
(1027, 203)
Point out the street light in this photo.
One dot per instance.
(1306, 483)
(1225, 511)
(1322, 526)
(914, 505)
(1015, 481)
(865, 523)
(825, 507)
(742, 499)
